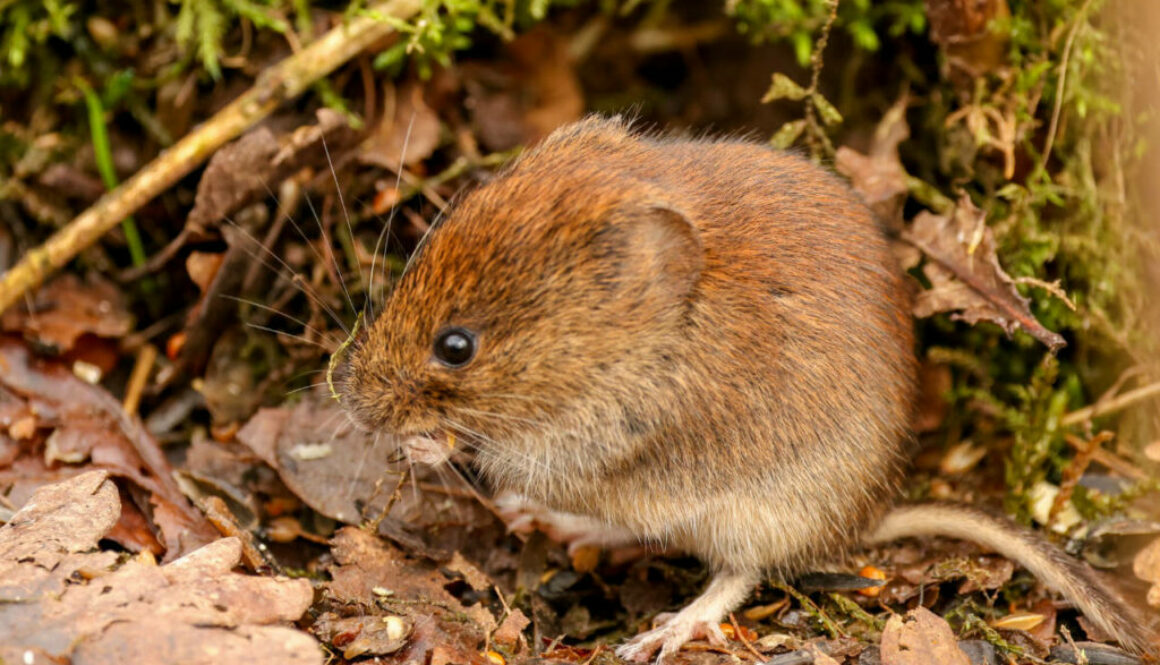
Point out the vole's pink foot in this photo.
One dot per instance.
(523, 515)
(700, 618)
(673, 633)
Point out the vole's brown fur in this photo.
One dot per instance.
(704, 343)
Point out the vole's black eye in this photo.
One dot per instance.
(455, 347)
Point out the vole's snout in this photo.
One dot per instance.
(389, 404)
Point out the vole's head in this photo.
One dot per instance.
(548, 298)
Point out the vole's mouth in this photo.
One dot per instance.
(432, 448)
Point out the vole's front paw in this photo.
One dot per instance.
(672, 633)
(522, 515)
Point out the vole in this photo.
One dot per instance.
(696, 342)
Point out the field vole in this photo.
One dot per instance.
(702, 343)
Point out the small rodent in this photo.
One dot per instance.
(701, 343)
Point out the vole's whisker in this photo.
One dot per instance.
(390, 218)
(283, 333)
(482, 442)
(293, 391)
(289, 274)
(346, 219)
(278, 312)
(499, 416)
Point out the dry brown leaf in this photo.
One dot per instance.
(372, 579)
(920, 638)
(475, 578)
(194, 610)
(407, 133)
(965, 274)
(249, 167)
(1146, 566)
(510, 634)
(323, 458)
(879, 176)
(67, 308)
(87, 424)
(965, 30)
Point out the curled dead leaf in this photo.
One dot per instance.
(879, 176)
(965, 275)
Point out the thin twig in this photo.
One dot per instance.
(279, 83)
(146, 357)
(1059, 88)
(1103, 408)
(817, 134)
(744, 640)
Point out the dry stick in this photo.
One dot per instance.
(1080, 19)
(817, 134)
(279, 83)
(146, 357)
(1112, 405)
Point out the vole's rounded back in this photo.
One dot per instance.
(668, 331)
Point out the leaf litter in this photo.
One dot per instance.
(61, 597)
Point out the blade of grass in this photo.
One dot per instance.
(103, 155)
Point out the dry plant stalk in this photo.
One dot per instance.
(282, 82)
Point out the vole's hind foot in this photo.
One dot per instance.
(699, 619)
(673, 633)
(522, 515)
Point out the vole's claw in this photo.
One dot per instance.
(522, 515)
(672, 632)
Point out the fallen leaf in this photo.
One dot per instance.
(323, 458)
(920, 638)
(879, 176)
(965, 30)
(243, 170)
(63, 599)
(1146, 566)
(510, 634)
(88, 424)
(475, 578)
(372, 579)
(66, 309)
(965, 274)
(407, 133)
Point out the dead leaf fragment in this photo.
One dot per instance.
(443, 629)
(340, 484)
(965, 30)
(1146, 566)
(87, 423)
(67, 308)
(965, 274)
(920, 638)
(407, 133)
(510, 634)
(879, 176)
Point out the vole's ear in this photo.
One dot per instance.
(654, 248)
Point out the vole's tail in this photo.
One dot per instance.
(1076, 581)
